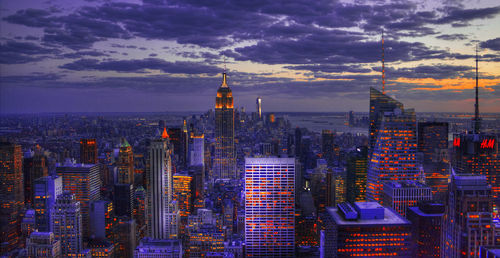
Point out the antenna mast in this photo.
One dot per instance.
(383, 64)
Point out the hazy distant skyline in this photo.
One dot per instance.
(313, 56)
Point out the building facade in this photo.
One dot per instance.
(225, 154)
(270, 206)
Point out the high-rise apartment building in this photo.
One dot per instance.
(269, 206)
(11, 196)
(82, 180)
(197, 150)
(225, 154)
(34, 167)
(88, 151)
(163, 214)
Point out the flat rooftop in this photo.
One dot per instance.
(390, 217)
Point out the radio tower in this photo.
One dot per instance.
(383, 64)
(477, 120)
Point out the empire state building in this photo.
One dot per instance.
(225, 156)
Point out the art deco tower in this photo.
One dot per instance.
(163, 215)
(225, 160)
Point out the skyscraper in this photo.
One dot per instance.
(34, 167)
(270, 206)
(225, 155)
(163, 215)
(426, 220)
(259, 107)
(46, 190)
(393, 155)
(197, 150)
(379, 104)
(84, 182)
(327, 145)
(402, 194)
(11, 195)
(365, 229)
(433, 143)
(88, 151)
(67, 225)
(102, 220)
(125, 163)
(467, 222)
(477, 152)
(357, 169)
(43, 244)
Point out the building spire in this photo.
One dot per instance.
(477, 120)
(383, 64)
(224, 79)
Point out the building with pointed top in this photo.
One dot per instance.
(125, 163)
(163, 214)
(259, 107)
(393, 131)
(225, 155)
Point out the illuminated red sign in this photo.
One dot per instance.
(488, 144)
(456, 142)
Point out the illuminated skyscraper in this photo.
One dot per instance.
(426, 220)
(327, 145)
(34, 167)
(365, 229)
(84, 182)
(197, 152)
(467, 222)
(379, 104)
(11, 196)
(225, 155)
(88, 151)
(393, 155)
(163, 215)
(67, 225)
(125, 163)
(259, 107)
(357, 169)
(102, 220)
(270, 206)
(433, 143)
(401, 194)
(476, 152)
(46, 190)
(183, 197)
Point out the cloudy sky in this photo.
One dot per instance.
(322, 55)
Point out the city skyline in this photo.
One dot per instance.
(155, 56)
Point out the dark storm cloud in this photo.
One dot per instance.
(331, 68)
(333, 48)
(34, 77)
(452, 37)
(17, 52)
(429, 71)
(462, 16)
(140, 65)
(81, 54)
(493, 44)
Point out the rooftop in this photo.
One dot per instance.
(390, 217)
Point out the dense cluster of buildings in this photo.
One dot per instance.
(228, 184)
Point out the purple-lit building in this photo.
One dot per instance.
(269, 206)
(365, 229)
(426, 220)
